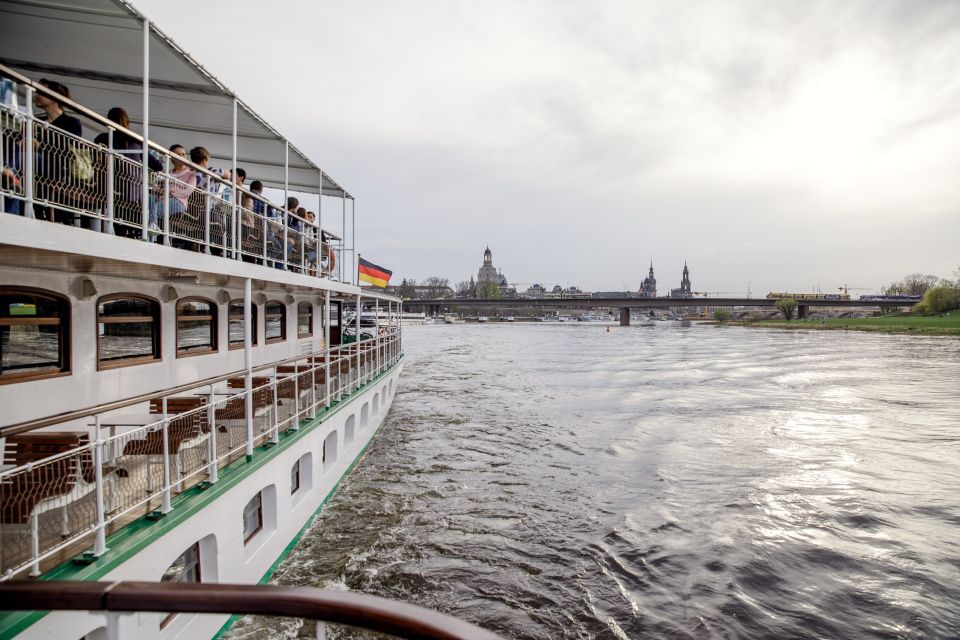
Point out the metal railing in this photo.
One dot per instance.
(373, 613)
(52, 174)
(116, 462)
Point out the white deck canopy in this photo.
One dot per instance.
(99, 54)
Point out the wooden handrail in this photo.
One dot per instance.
(399, 619)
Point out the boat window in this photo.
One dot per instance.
(304, 320)
(34, 334)
(128, 330)
(196, 326)
(253, 517)
(186, 568)
(295, 477)
(236, 323)
(275, 317)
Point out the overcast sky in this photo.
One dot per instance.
(784, 144)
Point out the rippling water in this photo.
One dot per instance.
(562, 481)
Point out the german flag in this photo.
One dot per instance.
(377, 276)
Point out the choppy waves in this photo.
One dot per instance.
(666, 482)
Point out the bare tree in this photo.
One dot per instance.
(915, 284)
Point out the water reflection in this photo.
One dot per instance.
(664, 482)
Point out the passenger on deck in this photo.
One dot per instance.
(201, 157)
(311, 232)
(293, 205)
(57, 158)
(131, 147)
(128, 171)
(181, 186)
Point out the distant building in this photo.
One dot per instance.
(684, 290)
(649, 287)
(534, 291)
(488, 274)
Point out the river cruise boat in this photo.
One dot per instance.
(180, 392)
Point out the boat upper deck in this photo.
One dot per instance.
(135, 139)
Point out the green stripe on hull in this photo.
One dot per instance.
(141, 533)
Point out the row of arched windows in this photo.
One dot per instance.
(35, 330)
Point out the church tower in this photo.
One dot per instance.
(649, 287)
(685, 281)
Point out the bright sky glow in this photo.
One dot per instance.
(785, 144)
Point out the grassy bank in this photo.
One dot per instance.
(945, 325)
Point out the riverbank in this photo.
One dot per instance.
(945, 325)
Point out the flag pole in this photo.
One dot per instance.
(358, 269)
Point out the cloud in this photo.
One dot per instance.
(577, 139)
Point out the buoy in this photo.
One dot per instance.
(608, 328)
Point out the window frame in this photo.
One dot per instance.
(157, 334)
(213, 318)
(253, 534)
(309, 306)
(283, 322)
(64, 350)
(254, 322)
(199, 565)
(295, 487)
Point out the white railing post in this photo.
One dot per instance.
(286, 237)
(376, 328)
(100, 545)
(212, 471)
(165, 508)
(166, 200)
(326, 343)
(296, 395)
(29, 159)
(275, 439)
(248, 330)
(357, 343)
(145, 159)
(235, 190)
(313, 388)
(286, 198)
(266, 212)
(111, 164)
(206, 214)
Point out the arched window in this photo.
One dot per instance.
(196, 326)
(128, 330)
(184, 569)
(235, 314)
(275, 321)
(34, 334)
(304, 320)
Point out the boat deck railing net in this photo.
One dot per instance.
(71, 479)
(397, 619)
(53, 174)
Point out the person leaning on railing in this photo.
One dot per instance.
(56, 157)
(311, 233)
(183, 180)
(128, 174)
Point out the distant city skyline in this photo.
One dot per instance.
(782, 144)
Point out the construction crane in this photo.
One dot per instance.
(847, 289)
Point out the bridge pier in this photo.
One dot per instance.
(625, 317)
(802, 311)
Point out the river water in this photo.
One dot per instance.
(566, 481)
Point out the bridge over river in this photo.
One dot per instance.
(438, 306)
